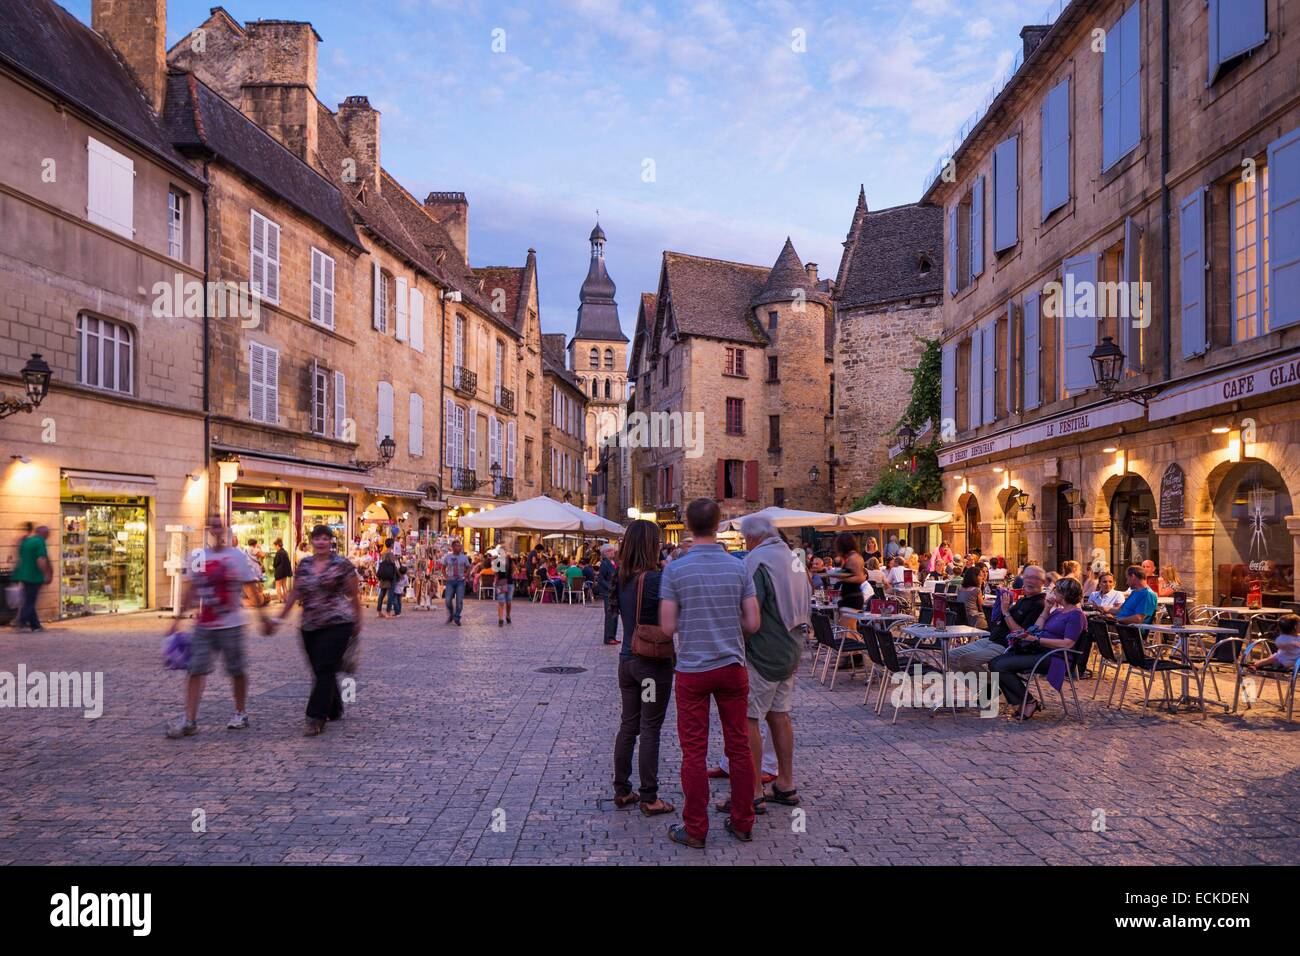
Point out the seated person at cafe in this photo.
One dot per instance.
(896, 574)
(1105, 598)
(1149, 574)
(1059, 626)
(874, 574)
(1140, 605)
(1168, 581)
(970, 595)
(1287, 643)
(1021, 614)
(573, 574)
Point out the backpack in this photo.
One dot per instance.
(387, 570)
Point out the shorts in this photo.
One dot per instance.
(768, 696)
(229, 641)
(851, 598)
(505, 591)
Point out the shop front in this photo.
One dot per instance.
(1253, 548)
(104, 543)
(258, 518)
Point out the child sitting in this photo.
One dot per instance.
(1288, 646)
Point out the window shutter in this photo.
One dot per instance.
(990, 371)
(460, 439)
(948, 389)
(257, 253)
(1121, 69)
(751, 480)
(340, 405)
(494, 454)
(1013, 369)
(473, 439)
(975, 381)
(317, 287)
(1078, 321)
(1191, 256)
(110, 197)
(272, 386)
(403, 316)
(415, 440)
(256, 382)
(1131, 339)
(1056, 148)
(378, 320)
(1110, 108)
(329, 292)
(385, 422)
(1284, 230)
(1236, 27)
(1031, 321)
(1006, 187)
(952, 250)
(977, 228)
(272, 290)
(720, 489)
(448, 423)
(510, 450)
(417, 320)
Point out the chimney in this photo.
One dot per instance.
(1032, 36)
(452, 211)
(360, 124)
(279, 89)
(137, 29)
(811, 269)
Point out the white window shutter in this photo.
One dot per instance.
(272, 386)
(1078, 322)
(1191, 274)
(110, 197)
(990, 373)
(257, 253)
(317, 287)
(1031, 322)
(417, 319)
(378, 320)
(947, 385)
(975, 381)
(340, 405)
(473, 439)
(256, 382)
(403, 317)
(1006, 188)
(415, 439)
(385, 422)
(328, 297)
(1284, 230)
(977, 228)
(510, 450)
(448, 427)
(272, 288)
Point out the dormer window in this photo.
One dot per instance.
(924, 265)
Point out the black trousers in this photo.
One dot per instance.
(325, 647)
(637, 680)
(27, 615)
(1009, 667)
(611, 619)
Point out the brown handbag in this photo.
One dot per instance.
(649, 640)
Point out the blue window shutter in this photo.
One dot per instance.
(952, 250)
(1110, 109)
(1236, 27)
(1030, 360)
(948, 390)
(1006, 185)
(977, 228)
(1130, 338)
(974, 381)
(987, 382)
(1012, 366)
(1284, 230)
(1079, 321)
(1191, 258)
(1056, 148)
(1130, 124)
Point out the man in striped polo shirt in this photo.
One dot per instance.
(708, 599)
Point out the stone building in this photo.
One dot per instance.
(888, 296)
(1079, 227)
(598, 359)
(564, 415)
(741, 355)
(98, 212)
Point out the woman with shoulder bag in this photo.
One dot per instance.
(326, 586)
(645, 669)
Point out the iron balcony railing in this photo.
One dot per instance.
(505, 399)
(464, 381)
(464, 479)
(504, 487)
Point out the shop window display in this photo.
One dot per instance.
(1251, 542)
(104, 556)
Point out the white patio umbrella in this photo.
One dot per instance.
(534, 514)
(788, 518)
(888, 516)
(594, 522)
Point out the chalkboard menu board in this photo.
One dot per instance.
(1172, 486)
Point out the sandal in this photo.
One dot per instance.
(1031, 707)
(760, 806)
(657, 808)
(626, 800)
(787, 798)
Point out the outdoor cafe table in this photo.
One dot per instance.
(1184, 633)
(945, 637)
(1250, 613)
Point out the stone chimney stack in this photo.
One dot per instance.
(360, 123)
(452, 211)
(1032, 36)
(811, 269)
(279, 89)
(137, 29)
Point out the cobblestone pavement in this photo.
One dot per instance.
(451, 725)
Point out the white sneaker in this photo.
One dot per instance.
(182, 728)
(238, 722)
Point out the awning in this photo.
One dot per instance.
(430, 505)
(379, 492)
(275, 468)
(110, 483)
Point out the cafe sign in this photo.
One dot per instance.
(1240, 385)
(1173, 485)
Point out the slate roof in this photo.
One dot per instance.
(553, 363)
(787, 275)
(645, 317)
(883, 255)
(713, 297)
(197, 118)
(47, 44)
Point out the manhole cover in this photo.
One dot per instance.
(561, 669)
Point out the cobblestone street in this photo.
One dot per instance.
(451, 725)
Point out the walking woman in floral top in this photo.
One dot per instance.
(326, 587)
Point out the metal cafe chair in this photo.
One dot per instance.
(1104, 641)
(927, 608)
(1040, 670)
(849, 642)
(1148, 661)
(895, 662)
(1278, 675)
(828, 643)
(1225, 654)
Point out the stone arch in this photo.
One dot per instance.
(1205, 483)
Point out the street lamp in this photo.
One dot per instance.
(495, 471)
(36, 375)
(387, 449)
(1107, 370)
(907, 436)
(813, 474)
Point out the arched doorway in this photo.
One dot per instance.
(1063, 538)
(1015, 543)
(1132, 537)
(971, 515)
(1251, 540)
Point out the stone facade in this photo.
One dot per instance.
(564, 415)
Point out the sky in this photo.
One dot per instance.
(711, 127)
